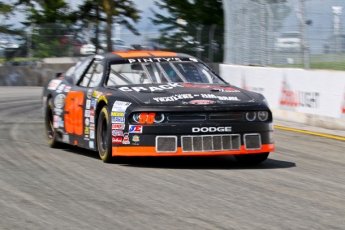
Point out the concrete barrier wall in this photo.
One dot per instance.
(30, 75)
(312, 97)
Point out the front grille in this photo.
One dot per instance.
(167, 144)
(206, 143)
(227, 116)
(186, 117)
(252, 141)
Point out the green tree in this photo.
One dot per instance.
(108, 12)
(188, 22)
(52, 22)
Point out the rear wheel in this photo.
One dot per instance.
(251, 159)
(104, 136)
(50, 131)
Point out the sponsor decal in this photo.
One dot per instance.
(65, 138)
(67, 89)
(92, 134)
(117, 114)
(211, 129)
(87, 130)
(135, 129)
(89, 94)
(136, 138)
(87, 121)
(92, 126)
(58, 111)
(54, 84)
(222, 98)
(92, 119)
(87, 113)
(118, 126)
(201, 102)
(297, 98)
(92, 112)
(152, 89)
(120, 106)
(88, 104)
(61, 123)
(117, 119)
(59, 101)
(60, 88)
(93, 103)
(56, 121)
(126, 139)
(96, 94)
(116, 132)
(116, 140)
(192, 96)
(173, 98)
(148, 60)
(91, 145)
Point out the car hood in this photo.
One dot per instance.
(179, 94)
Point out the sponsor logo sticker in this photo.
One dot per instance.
(88, 104)
(211, 129)
(54, 84)
(117, 119)
(117, 132)
(135, 129)
(118, 126)
(116, 140)
(126, 139)
(120, 106)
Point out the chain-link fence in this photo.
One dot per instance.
(279, 32)
(52, 40)
(298, 33)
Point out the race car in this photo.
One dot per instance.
(155, 103)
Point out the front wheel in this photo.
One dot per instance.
(50, 131)
(251, 159)
(104, 136)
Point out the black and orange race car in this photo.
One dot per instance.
(155, 103)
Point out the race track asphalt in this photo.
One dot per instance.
(300, 186)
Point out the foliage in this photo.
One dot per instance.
(193, 19)
(5, 11)
(104, 13)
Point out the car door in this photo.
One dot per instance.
(78, 114)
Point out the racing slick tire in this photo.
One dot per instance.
(50, 132)
(104, 144)
(251, 159)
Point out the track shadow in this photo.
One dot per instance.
(213, 162)
(219, 162)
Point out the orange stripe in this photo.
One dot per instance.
(151, 151)
(132, 54)
(139, 54)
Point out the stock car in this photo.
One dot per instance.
(155, 103)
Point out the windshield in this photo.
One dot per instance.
(161, 72)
